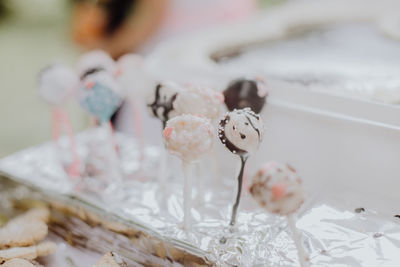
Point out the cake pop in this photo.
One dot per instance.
(161, 104)
(94, 61)
(246, 93)
(199, 101)
(100, 95)
(57, 84)
(241, 131)
(190, 138)
(278, 189)
(135, 81)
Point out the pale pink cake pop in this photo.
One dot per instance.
(94, 61)
(277, 188)
(132, 75)
(199, 101)
(189, 137)
(57, 83)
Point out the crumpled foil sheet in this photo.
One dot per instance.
(333, 234)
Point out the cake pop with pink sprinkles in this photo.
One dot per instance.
(190, 138)
(278, 189)
(198, 100)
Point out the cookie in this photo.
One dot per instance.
(25, 230)
(18, 263)
(111, 259)
(28, 253)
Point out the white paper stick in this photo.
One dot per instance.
(297, 240)
(115, 171)
(187, 195)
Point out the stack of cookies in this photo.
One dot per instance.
(21, 239)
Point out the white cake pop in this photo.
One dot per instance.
(241, 131)
(133, 77)
(57, 83)
(277, 188)
(199, 101)
(93, 61)
(189, 137)
(161, 102)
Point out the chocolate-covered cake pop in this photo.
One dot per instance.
(241, 131)
(246, 93)
(277, 188)
(161, 103)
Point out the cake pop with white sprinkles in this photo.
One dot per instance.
(246, 93)
(241, 131)
(278, 189)
(198, 100)
(190, 138)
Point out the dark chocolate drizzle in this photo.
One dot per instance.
(90, 72)
(158, 103)
(228, 144)
(243, 93)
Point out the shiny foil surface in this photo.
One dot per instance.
(334, 233)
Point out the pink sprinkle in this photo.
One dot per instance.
(259, 78)
(221, 97)
(278, 191)
(90, 85)
(118, 72)
(167, 132)
(269, 165)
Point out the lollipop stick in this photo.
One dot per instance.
(300, 249)
(187, 194)
(74, 168)
(113, 156)
(162, 170)
(239, 191)
(138, 123)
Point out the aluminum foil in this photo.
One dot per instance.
(334, 233)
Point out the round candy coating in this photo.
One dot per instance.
(241, 131)
(57, 83)
(189, 137)
(94, 61)
(100, 95)
(199, 101)
(246, 93)
(277, 188)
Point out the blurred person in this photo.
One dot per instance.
(116, 26)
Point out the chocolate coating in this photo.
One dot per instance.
(245, 93)
(241, 131)
(162, 104)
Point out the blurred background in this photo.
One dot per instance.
(36, 33)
